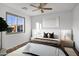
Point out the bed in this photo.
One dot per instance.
(42, 46)
(42, 50)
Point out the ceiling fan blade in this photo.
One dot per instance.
(42, 11)
(33, 6)
(35, 10)
(42, 4)
(47, 8)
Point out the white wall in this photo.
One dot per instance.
(76, 26)
(65, 21)
(11, 40)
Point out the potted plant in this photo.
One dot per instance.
(3, 27)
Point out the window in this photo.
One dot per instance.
(16, 23)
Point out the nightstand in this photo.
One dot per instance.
(66, 43)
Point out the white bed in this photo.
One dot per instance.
(43, 50)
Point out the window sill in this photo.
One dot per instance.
(15, 33)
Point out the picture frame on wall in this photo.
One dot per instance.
(51, 22)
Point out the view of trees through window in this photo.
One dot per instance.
(16, 23)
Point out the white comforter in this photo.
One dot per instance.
(43, 50)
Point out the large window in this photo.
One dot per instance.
(15, 22)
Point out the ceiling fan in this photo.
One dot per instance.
(41, 7)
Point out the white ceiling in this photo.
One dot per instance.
(57, 7)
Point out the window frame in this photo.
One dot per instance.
(8, 13)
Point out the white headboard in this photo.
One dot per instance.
(40, 33)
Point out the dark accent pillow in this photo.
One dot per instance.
(45, 35)
(51, 35)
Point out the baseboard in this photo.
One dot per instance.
(16, 47)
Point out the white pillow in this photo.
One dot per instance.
(37, 35)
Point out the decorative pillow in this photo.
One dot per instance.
(45, 35)
(51, 35)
